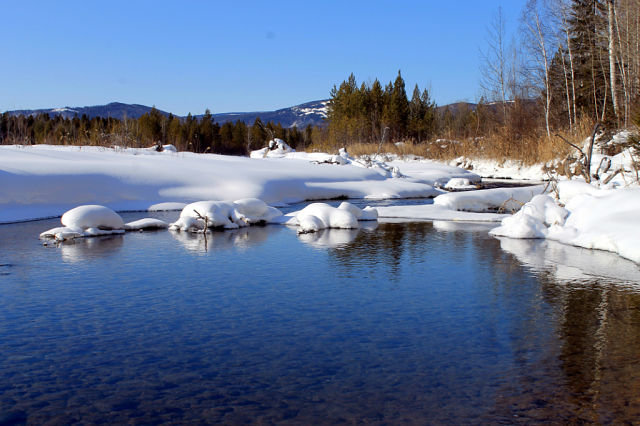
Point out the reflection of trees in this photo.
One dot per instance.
(386, 246)
(591, 371)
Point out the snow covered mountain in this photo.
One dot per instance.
(301, 115)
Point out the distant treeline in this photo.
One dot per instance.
(187, 134)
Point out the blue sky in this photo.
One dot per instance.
(236, 56)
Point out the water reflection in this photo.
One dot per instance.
(411, 323)
(336, 238)
(568, 263)
(83, 249)
(239, 239)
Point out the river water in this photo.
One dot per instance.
(428, 322)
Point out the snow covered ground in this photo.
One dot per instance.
(45, 181)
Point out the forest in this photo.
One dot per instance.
(571, 64)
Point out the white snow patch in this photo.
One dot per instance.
(223, 214)
(168, 206)
(434, 212)
(146, 223)
(317, 216)
(604, 220)
(459, 183)
(507, 199)
(86, 221)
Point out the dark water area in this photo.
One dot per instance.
(415, 323)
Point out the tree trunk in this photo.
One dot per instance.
(612, 61)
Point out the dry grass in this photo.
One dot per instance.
(499, 146)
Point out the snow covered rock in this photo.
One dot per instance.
(86, 221)
(92, 216)
(319, 216)
(459, 183)
(223, 214)
(368, 213)
(252, 210)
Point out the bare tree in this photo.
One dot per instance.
(537, 39)
(612, 56)
(494, 64)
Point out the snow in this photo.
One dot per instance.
(92, 216)
(435, 212)
(318, 216)
(44, 181)
(604, 219)
(509, 169)
(224, 214)
(146, 223)
(505, 199)
(168, 206)
(276, 148)
(86, 221)
(459, 183)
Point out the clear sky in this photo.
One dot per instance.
(186, 56)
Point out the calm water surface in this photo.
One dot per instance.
(416, 323)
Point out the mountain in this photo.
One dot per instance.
(114, 109)
(301, 115)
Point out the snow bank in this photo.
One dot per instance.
(533, 219)
(435, 212)
(317, 216)
(197, 216)
(507, 199)
(45, 181)
(604, 220)
(510, 169)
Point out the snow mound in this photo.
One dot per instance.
(147, 223)
(277, 148)
(368, 213)
(603, 220)
(92, 216)
(485, 200)
(533, 219)
(459, 183)
(86, 221)
(319, 216)
(197, 216)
